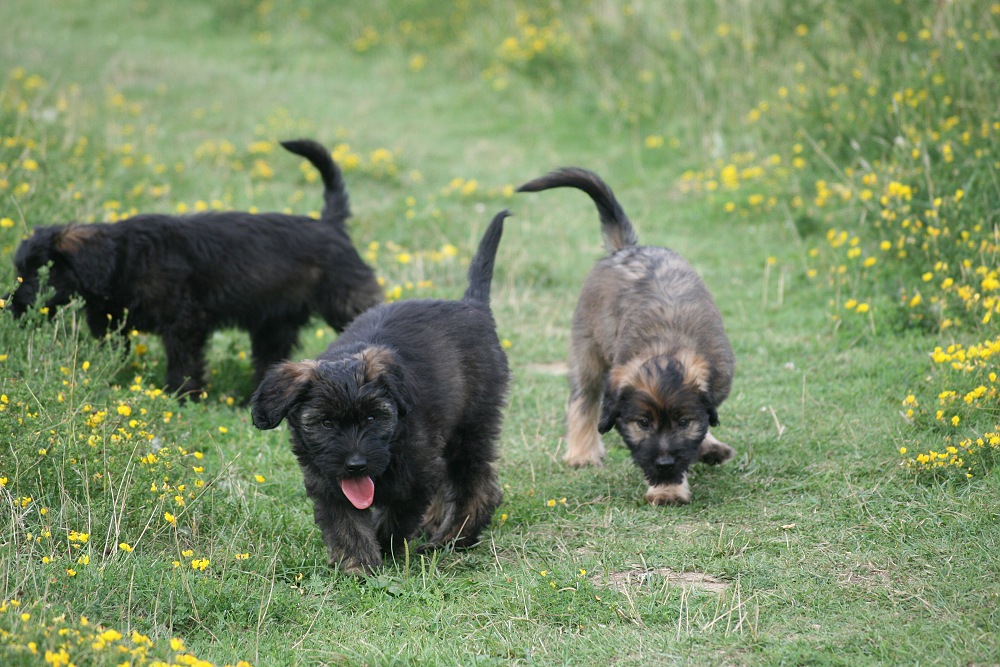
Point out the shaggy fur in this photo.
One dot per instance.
(182, 277)
(395, 425)
(648, 354)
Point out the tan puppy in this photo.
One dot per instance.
(648, 354)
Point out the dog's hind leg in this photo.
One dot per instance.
(439, 515)
(464, 504)
(477, 498)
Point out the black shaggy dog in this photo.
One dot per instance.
(182, 277)
(395, 425)
(648, 354)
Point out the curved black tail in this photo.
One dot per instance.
(616, 228)
(336, 207)
(481, 267)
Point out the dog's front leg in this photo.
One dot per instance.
(349, 534)
(185, 348)
(583, 441)
(583, 411)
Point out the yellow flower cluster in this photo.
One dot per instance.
(26, 175)
(968, 458)
(21, 176)
(974, 380)
(260, 156)
(953, 252)
(741, 171)
(891, 167)
(37, 637)
(975, 357)
(531, 39)
(406, 266)
(102, 445)
(538, 36)
(906, 212)
(470, 187)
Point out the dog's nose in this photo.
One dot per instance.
(665, 462)
(356, 464)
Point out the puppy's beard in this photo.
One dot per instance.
(360, 491)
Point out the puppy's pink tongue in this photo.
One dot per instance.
(359, 490)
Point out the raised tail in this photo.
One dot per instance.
(336, 207)
(481, 267)
(616, 228)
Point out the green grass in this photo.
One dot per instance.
(715, 125)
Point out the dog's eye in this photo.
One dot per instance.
(370, 419)
(683, 422)
(327, 423)
(642, 423)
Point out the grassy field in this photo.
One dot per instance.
(830, 168)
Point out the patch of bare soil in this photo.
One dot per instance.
(623, 582)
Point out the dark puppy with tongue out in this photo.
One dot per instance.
(395, 425)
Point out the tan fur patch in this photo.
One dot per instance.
(376, 361)
(647, 382)
(632, 432)
(669, 494)
(627, 373)
(73, 237)
(696, 370)
(297, 372)
(638, 374)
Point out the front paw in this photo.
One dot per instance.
(355, 566)
(357, 562)
(669, 494)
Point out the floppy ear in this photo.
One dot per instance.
(284, 385)
(90, 255)
(610, 410)
(713, 417)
